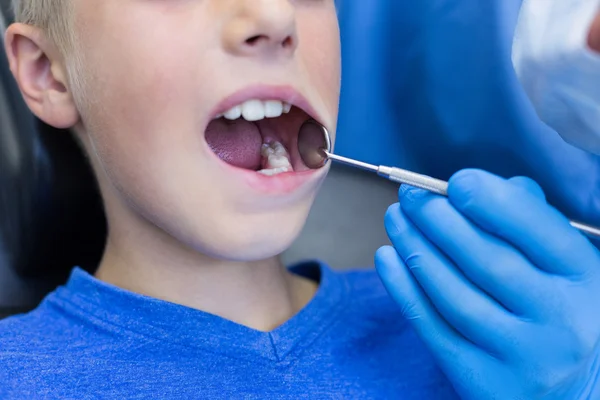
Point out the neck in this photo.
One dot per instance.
(143, 259)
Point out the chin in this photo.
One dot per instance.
(252, 238)
(260, 245)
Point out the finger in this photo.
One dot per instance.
(493, 265)
(470, 311)
(522, 219)
(529, 185)
(443, 341)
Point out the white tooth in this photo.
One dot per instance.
(278, 149)
(273, 108)
(274, 171)
(278, 162)
(276, 157)
(253, 110)
(233, 113)
(268, 172)
(267, 150)
(287, 108)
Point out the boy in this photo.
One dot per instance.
(188, 111)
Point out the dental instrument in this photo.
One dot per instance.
(315, 148)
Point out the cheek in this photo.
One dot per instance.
(321, 53)
(140, 123)
(156, 88)
(149, 118)
(145, 125)
(138, 72)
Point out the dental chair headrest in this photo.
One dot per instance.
(51, 216)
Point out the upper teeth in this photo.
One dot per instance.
(255, 110)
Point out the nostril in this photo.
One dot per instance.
(254, 40)
(288, 42)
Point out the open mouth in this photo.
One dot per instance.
(259, 135)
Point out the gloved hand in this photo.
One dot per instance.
(503, 291)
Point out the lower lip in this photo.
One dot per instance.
(280, 184)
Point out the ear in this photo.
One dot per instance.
(38, 67)
(594, 35)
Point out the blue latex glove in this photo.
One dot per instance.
(500, 287)
(429, 86)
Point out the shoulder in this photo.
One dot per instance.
(35, 355)
(48, 350)
(30, 333)
(58, 326)
(28, 351)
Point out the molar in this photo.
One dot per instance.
(276, 159)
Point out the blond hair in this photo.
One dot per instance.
(52, 16)
(55, 18)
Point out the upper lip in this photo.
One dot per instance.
(286, 94)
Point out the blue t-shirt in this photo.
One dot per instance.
(91, 340)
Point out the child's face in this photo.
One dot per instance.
(157, 72)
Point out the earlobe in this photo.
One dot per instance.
(41, 75)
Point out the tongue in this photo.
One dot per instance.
(236, 142)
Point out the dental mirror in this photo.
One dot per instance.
(314, 144)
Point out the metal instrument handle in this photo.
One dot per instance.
(438, 186)
(403, 176)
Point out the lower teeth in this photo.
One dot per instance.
(274, 171)
(276, 159)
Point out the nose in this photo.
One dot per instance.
(261, 28)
